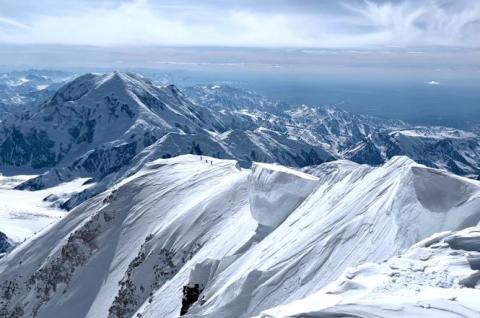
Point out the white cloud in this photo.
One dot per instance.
(11, 25)
(424, 23)
(354, 25)
(433, 83)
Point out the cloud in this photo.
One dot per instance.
(426, 23)
(433, 83)
(7, 24)
(281, 23)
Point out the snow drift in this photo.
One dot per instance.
(130, 251)
(275, 191)
(438, 277)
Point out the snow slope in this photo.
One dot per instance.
(188, 220)
(437, 277)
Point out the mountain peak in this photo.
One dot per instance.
(114, 79)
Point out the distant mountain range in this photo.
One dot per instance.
(106, 126)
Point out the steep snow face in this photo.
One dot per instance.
(275, 191)
(437, 277)
(438, 192)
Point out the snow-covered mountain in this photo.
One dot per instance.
(97, 124)
(93, 117)
(360, 138)
(208, 238)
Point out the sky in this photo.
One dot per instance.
(335, 24)
(409, 59)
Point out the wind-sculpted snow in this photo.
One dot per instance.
(185, 224)
(435, 278)
(275, 191)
